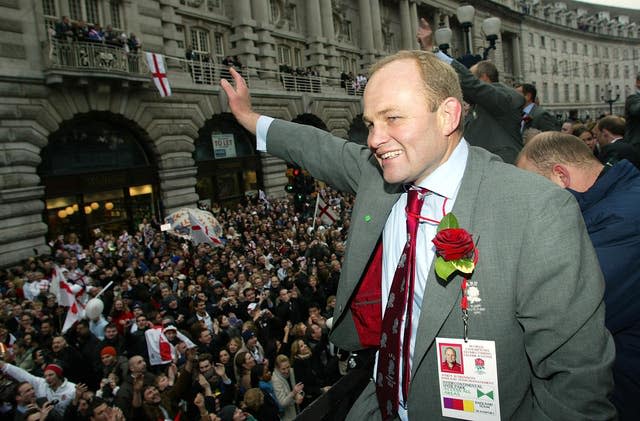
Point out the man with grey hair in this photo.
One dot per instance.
(608, 196)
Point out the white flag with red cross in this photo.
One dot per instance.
(161, 351)
(324, 211)
(159, 73)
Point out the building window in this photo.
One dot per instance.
(566, 93)
(49, 8)
(530, 40)
(586, 70)
(50, 14)
(574, 47)
(556, 93)
(200, 42)
(554, 66)
(543, 66)
(577, 98)
(297, 57)
(284, 55)
(553, 44)
(542, 42)
(616, 71)
(86, 10)
(545, 90)
(116, 17)
(564, 46)
(596, 92)
(180, 32)
(587, 92)
(626, 72)
(585, 49)
(75, 9)
(218, 42)
(274, 11)
(293, 18)
(533, 63)
(214, 5)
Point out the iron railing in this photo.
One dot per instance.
(94, 56)
(106, 58)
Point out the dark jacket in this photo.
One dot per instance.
(493, 121)
(610, 210)
(615, 152)
(632, 119)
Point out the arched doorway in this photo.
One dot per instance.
(98, 174)
(228, 166)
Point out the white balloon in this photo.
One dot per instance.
(75, 289)
(94, 308)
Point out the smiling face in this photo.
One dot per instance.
(407, 137)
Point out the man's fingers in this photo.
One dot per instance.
(424, 23)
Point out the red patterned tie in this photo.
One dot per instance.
(400, 300)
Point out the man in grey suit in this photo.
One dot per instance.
(494, 116)
(537, 275)
(533, 115)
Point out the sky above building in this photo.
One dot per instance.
(628, 4)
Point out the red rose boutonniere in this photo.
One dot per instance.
(455, 250)
(526, 118)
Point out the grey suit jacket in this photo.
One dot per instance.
(538, 277)
(493, 122)
(542, 120)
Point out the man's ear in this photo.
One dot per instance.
(449, 114)
(561, 175)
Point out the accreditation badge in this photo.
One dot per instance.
(468, 377)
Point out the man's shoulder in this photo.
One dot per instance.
(502, 179)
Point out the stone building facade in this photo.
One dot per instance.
(86, 141)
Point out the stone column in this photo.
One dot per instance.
(265, 43)
(169, 21)
(22, 228)
(405, 24)
(177, 188)
(366, 32)
(332, 57)
(413, 15)
(243, 35)
(315, 50)
(518, 74)
(376, 24)
(274, 175)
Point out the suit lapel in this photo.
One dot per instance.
(440, 299)
(369, 216)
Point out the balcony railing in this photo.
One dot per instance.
(104, 58)
(94, 56)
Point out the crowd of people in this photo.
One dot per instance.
(243, 327)
(247, 322)
(80, 31)
(353, 85)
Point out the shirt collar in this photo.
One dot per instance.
(445, 180)
(527, 110)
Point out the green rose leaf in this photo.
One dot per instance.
(464, 265)
(449, 221)
(444, 269)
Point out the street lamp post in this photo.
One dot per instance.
(491, 29)
(443, 38)
(465, 16)
(610, 97)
